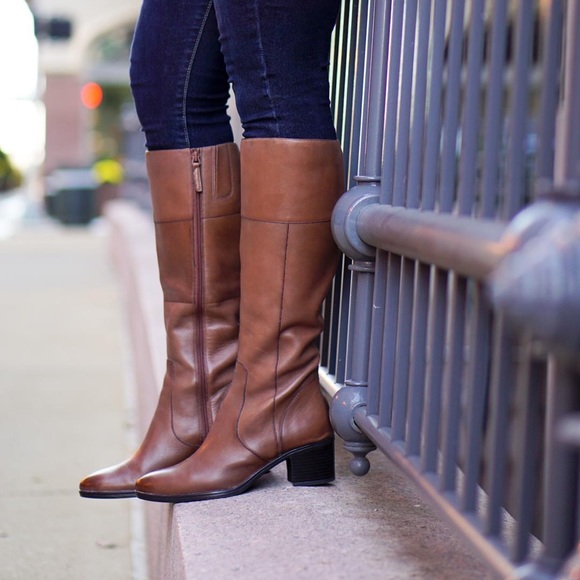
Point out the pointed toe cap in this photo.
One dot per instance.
(112, 482)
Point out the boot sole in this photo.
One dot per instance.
(309, 465)
(107, 494)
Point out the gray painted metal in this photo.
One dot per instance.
(457, 357)
(567, 170)
(470, 247)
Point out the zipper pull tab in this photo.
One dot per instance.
(196, 163)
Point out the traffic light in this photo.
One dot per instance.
(91, 95)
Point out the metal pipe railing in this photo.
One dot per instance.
(467, 246)
(474, 286)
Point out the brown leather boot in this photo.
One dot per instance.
(196, 208)
(274, 410)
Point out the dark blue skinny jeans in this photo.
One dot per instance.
(275, 53)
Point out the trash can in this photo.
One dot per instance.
(71, 195)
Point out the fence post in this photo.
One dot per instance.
(365, 192)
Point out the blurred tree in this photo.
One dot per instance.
(10, 176)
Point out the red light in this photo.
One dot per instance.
(91, 95)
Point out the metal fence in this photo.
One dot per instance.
(453, 325)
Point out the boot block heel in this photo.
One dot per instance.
(312, 464)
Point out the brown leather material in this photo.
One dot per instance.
(301, 194)
(288, 260)
(197, 231)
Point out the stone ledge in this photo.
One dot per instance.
(132, 243)
(371, 527)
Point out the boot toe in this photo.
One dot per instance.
(157, 483)
(111, 482)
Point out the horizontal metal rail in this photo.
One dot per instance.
(465, 245)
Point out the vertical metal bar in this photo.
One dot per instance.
(371, 158)
(563, 395)
(494, 111)
(476, 379)
(389, 340)
(350, 135)
(471, 112)
(331, 304)
(359, 329)
(433, 137)
(452, 380)
(333, 314)
(404, 104)
(393, 69)
(418, 358)
(552, 54)
(342, 330)
(452, 109)
(567, 168)
(353, 146)
(366, 23)
(377, 328)
(419, 98)
(332, 73)
(435, 349)
(561, 467)
(343, 57)
(348, 337)
(337, 85)
(341, 348)
(516, 155)
(375, 90)
(500, 396)
(403, 349)
(345, 64)
(526, 435)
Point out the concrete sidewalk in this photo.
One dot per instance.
(62, 411)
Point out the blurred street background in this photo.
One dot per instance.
(62, 400)
(68, 137)
(70, 142)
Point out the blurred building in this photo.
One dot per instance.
(80, 41)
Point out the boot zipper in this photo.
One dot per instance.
(196, 163)
(199, 346)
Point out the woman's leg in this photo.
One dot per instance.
(277, 56)
(181, 88)
(178, 77)
(292, 173)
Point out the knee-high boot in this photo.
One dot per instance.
(196, 209)
(274, 410)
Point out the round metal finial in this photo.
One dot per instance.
(359, 464)
(344, 403)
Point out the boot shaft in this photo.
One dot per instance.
(288, 261)
(196, 209)
(289, 257)
(196, 205)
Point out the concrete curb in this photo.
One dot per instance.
(134, 256)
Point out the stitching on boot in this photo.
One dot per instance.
(238, 433)
(219, 217)
(204, 399)
(277, 438)
(251, 219)
(171, 372)
(175, 221)
(295, 397)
